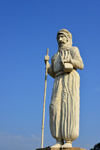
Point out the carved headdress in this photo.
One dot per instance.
(65, 32)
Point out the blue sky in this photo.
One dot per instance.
(27, 29)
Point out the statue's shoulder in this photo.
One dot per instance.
(74, 49)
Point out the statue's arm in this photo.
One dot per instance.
(50, 71)
(77, 60)
(49, 67)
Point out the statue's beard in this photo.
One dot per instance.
(64, 47)
(61, 44)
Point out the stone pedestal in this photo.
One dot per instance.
(72, 148)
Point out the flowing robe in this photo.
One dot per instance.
(65, 101)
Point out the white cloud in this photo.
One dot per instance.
(18, 142)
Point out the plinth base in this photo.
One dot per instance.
(71, 148)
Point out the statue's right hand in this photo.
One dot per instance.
(46, 58)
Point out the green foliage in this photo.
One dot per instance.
(96, 147)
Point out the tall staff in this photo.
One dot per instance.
(44, 101)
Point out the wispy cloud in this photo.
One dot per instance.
(18, 142)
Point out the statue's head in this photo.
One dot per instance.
(64, 38)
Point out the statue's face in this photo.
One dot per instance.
(62, 40)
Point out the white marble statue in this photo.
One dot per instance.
(65, 100)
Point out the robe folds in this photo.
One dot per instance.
(65, 100)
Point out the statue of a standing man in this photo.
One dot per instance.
(65, 100)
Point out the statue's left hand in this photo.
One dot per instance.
(46, 58)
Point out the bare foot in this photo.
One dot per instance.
(67, 144)
(58, 144)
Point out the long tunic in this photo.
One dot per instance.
(65, 101)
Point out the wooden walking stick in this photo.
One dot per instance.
(44, 102)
